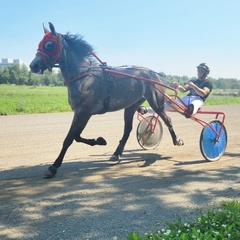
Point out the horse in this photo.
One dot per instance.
(95, 88)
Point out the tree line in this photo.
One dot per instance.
(21, 75)
(220, 83)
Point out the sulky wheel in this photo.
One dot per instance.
(149, 137)
(211, 147)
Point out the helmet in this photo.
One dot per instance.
(205, 67)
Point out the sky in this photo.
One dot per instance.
(169, 36)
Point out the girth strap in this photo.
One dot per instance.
(109, 79)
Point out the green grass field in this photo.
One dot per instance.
(29, 99)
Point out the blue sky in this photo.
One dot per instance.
(170, 36)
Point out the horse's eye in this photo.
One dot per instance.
(49, 46)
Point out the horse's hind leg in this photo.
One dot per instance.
(128, 122)
(168, 123)
(156, 101)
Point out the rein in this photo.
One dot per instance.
(102, 63)
(53, 57)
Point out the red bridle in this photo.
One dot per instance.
(50, 55)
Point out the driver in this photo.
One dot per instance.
(199, 90)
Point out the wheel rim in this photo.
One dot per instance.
(146, 138)
(211, 149)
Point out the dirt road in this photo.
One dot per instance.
(92, 198)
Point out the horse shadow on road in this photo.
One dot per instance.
(140, 156)
(90, 199)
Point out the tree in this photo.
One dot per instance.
(5, 76)
(23, 75)
(33, 79)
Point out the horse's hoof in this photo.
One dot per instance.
(51, 172)
(114, 158)
(101, 141)
(179, 142)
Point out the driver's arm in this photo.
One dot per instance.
(182, 89)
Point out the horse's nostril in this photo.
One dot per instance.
(34, 67)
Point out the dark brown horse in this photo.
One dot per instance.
(97, 89)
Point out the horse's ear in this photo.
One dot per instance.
(52, 28)
(45, 29)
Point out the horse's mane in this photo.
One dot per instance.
(79, 45)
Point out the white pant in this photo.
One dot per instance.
(195, 100)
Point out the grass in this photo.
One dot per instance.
(222, 100)
(213, 100)
(218, 223)
(28, 99)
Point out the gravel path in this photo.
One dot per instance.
(92, 198)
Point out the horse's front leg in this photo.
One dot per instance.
(78, 124)
(128, 121)
(52, 170)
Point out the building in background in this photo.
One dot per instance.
(5, 62)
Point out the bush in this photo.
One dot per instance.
(217, 224)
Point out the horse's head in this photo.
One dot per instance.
(49, 51)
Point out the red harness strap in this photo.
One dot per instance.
(76, 78)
